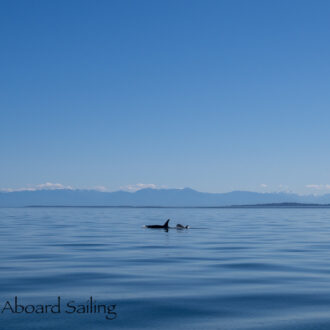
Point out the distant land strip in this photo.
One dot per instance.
(160, 198)
(269, 205)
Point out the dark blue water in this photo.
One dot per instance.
(242, 269)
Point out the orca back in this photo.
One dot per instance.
(164, 226)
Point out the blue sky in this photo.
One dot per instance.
(212, 95)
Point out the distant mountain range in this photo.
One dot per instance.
(152, 197)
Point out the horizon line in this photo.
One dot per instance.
(261, 205)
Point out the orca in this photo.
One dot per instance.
(179, 226)
(164, 226)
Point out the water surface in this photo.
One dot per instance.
(234, 269)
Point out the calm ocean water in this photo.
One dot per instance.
(234, 269)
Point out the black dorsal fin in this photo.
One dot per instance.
(166, 223)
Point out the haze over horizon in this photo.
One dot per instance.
(214, 95)
(48, 186)
(57, 195)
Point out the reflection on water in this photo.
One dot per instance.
(234, 269)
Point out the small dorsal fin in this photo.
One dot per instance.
(166, 223)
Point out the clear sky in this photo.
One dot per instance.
(212, 95)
